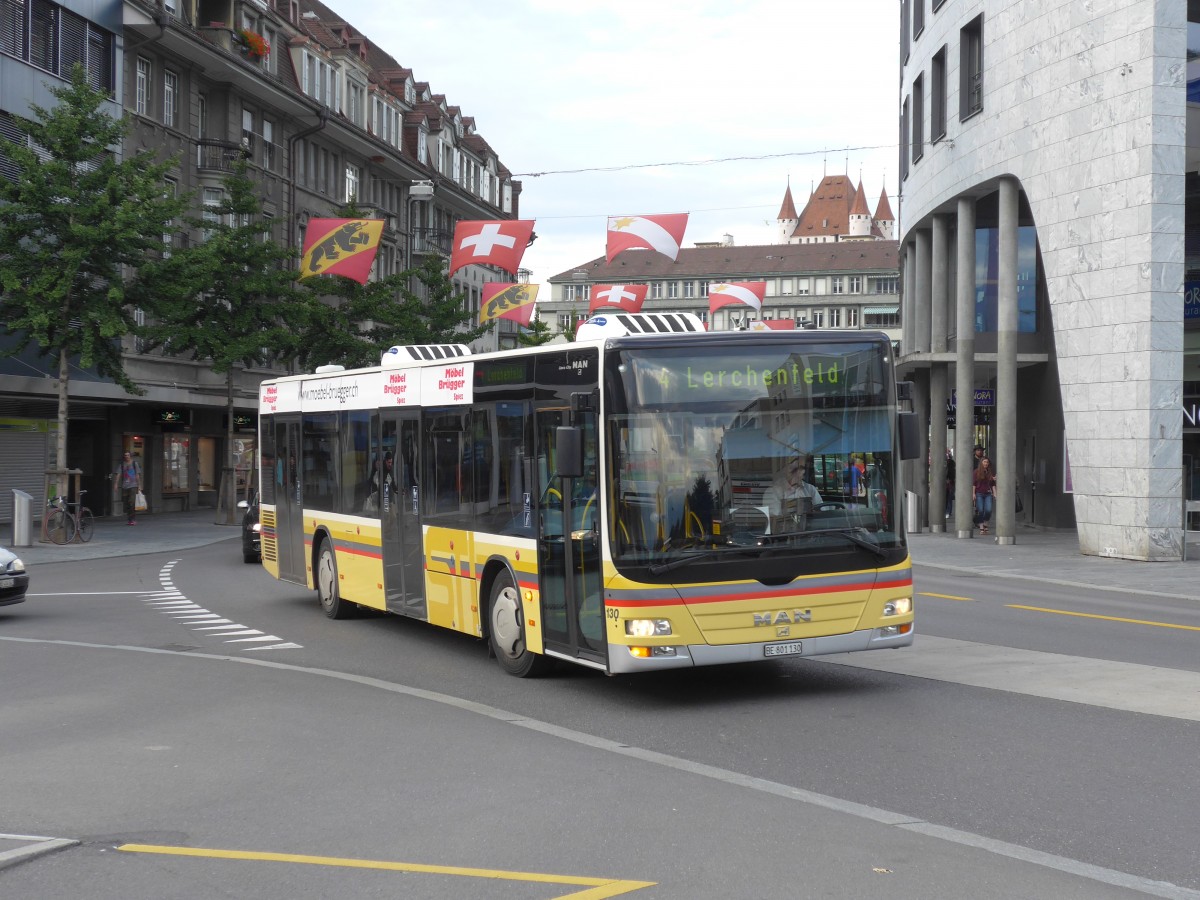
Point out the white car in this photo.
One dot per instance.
(14, 580)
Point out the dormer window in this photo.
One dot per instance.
(319, 79)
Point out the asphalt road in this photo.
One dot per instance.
(183, 717)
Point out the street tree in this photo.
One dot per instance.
(243, 307)
(76, 224)
(536, 334)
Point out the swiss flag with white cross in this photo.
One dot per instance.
(497, 242)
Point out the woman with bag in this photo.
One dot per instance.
(984, 491)
(129, 482)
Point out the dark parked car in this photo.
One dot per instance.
(251, 531)
(14, 580)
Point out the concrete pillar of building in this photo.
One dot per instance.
(964, 368)
(1004, 454)
(922, 289)
(938, 371)
(909, 316)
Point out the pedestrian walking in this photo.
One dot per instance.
(128, 480)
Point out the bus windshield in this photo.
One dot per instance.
(751, 450)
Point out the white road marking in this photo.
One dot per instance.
(171, 602)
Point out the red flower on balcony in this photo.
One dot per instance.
(254, 44)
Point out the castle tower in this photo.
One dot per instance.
(787, 220)
(885, 221)
(860, 216)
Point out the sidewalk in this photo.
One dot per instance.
(1047, 556)
(1054, 557)
(153, 533)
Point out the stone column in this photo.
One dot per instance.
(1004, 454)
(909, 316)
(964, 364)
(938, 371)
(921, 293)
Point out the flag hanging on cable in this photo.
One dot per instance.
(628, 297)
(729, 293)
(344, 247)
(507, 301)
(499, 242)
(661, 233)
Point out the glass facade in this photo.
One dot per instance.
(1191, 276)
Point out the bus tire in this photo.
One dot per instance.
(506, 631)
(328, 591)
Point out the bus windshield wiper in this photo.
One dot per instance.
(782, 539)
(853, 535)
(695, 556)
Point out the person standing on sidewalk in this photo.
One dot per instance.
(984, 492)
(129, 482)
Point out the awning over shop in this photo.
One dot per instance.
(881, 310)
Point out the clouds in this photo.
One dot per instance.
(773, 88)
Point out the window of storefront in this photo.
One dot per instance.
(206, 463)
(243, 463)
(176, 464)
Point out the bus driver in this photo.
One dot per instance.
(790, 498)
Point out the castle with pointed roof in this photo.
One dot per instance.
(836, 211)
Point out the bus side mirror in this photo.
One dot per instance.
(568, 452)
(909, 425)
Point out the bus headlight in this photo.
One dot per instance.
(899, 607)
(647, 627)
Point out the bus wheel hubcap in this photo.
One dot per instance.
(506, 624)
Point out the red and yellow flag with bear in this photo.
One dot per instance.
(344, 247)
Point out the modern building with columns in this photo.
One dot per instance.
(1050, 246)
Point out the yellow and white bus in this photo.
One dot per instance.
(604, 502)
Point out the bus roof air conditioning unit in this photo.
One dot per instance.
(619, 324)
(399, 357)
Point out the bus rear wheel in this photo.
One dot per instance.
(506, 631)
(328, 589)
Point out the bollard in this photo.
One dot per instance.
(22, 519)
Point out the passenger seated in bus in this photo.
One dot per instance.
(790, 498)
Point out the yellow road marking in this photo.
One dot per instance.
(1066, 612)
(945, 596)
(598, 888)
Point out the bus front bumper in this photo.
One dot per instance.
(622, 661)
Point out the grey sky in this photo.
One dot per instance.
(776, 88)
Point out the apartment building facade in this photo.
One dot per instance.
(320, 114)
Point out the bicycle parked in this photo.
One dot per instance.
(68, 521)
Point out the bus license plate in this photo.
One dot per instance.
(792, 648)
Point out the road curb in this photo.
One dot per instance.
(32, 846)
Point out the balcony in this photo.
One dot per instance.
(218, 156)
(427, 241)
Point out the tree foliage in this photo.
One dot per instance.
(76, 224)
(242, 306)
(536, 334)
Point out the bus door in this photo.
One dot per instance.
(289, 512)
(572, 603)
(403, 557)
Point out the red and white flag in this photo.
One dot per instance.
(628, 297)
(498, 242)
(661, 233)
(729, 293)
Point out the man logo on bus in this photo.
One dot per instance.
(782, 617)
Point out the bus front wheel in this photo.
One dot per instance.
(506, 631)
(328, 590)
